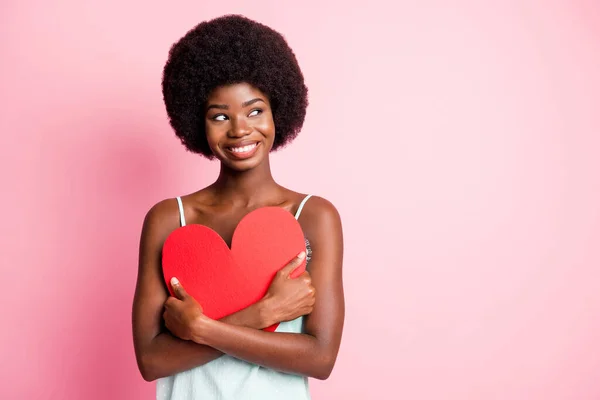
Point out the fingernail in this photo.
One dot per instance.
(174, 281)
(302, 255)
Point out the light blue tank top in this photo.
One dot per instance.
(229, 378)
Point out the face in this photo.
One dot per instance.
(239, 126)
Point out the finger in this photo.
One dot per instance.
(171, 302)
(178, 289)
(292, 265)
(305, 277)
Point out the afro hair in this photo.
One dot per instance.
(227, 50)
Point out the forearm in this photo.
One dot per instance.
(294, 353)
(167, 355)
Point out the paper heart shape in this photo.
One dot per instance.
(225, 280)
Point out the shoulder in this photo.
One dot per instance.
(319, 217)
(160, 220)
(166, 212)
(161, 211)
(319, 207)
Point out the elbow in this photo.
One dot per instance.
(148, 375)
(147, 368)
(324, 368)
(322, 376)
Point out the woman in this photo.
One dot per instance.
(234, 92)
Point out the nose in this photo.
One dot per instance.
(239, 128)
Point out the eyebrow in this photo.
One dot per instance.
(226, 107)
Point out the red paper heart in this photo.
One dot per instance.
(225, 281)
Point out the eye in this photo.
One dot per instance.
(255, 112)
(219, 117)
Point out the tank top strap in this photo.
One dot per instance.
(181, 215)
(302, 206)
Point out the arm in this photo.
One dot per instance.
(159, 353)
(314, 352)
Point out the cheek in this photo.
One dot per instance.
(212, 136)
(266, 126)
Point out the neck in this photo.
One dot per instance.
(246, 188)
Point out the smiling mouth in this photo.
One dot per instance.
(243, 151)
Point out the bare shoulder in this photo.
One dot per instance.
(320, 216)
(319, 206)
(161, 220)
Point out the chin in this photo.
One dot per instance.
(242, 165)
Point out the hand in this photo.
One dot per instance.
(289, 298)
(182, 313)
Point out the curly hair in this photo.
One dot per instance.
(227, 50)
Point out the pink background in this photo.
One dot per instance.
(460, 144)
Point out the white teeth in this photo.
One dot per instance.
(243, 149)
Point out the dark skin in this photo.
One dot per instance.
(171, 334)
